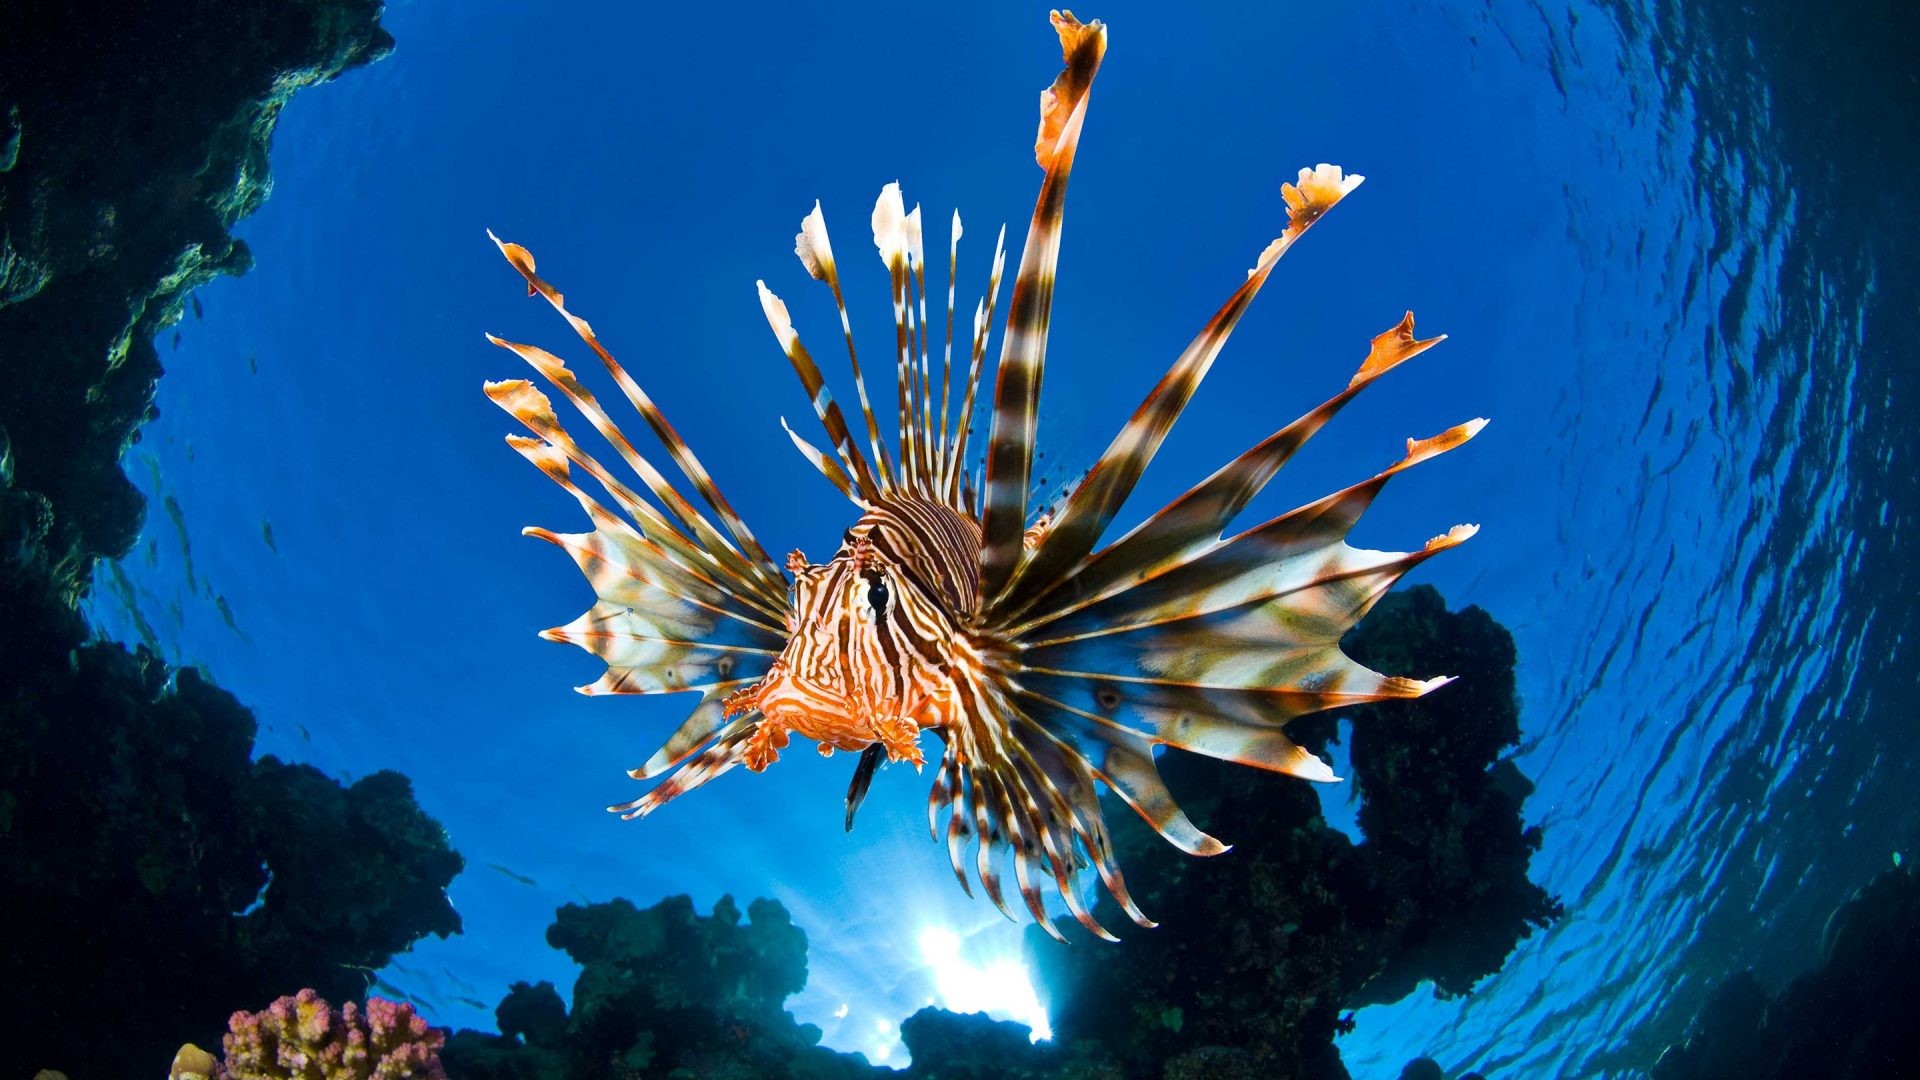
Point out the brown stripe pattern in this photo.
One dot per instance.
(1049, 662)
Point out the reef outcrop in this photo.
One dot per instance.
(132, 137)
(663, 991)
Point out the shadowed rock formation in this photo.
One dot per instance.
(664, 992)
(133, 135)
(135, 828)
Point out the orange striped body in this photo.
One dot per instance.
(872, 636)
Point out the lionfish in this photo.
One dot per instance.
(1042, 659)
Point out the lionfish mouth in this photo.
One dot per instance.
(1063, 660)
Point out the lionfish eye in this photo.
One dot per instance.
(877, 596)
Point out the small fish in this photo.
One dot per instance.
(197, 310)
(266, 535)
(176, 341)
(457, 981)
(305, 735)
(253, 365)
(391, 991)
(1045, 661)
(123, 590)
(521, 878)
(189, 451)
(226, 614)
(179, 518)
(473, 1003)
(151, 465)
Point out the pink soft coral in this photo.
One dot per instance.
(303, 1038)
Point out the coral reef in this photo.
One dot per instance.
(1850, 1017)
(303, 1038)
(123, 164)
(663, 992)
(1259, 954)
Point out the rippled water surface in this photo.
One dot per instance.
(1672, 245)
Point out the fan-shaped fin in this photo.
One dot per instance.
(1236, 725)
(546, 426)
(606, 562)
(660, 552)
(1317, 590)
(639, 662)
(710, 716)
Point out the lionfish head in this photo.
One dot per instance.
(869, 647)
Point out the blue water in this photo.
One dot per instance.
(1692, 495)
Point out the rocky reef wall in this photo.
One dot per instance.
(156, 877)
(132, 137)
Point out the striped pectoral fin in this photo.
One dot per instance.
(1285, 642)
(555, 451)
(1231, 724)
(726, 752)
(692, 734)
(1297, 550)
(1016, 399)
(627, 571)
(556, 372)
(1124, 759)
(642, 659)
